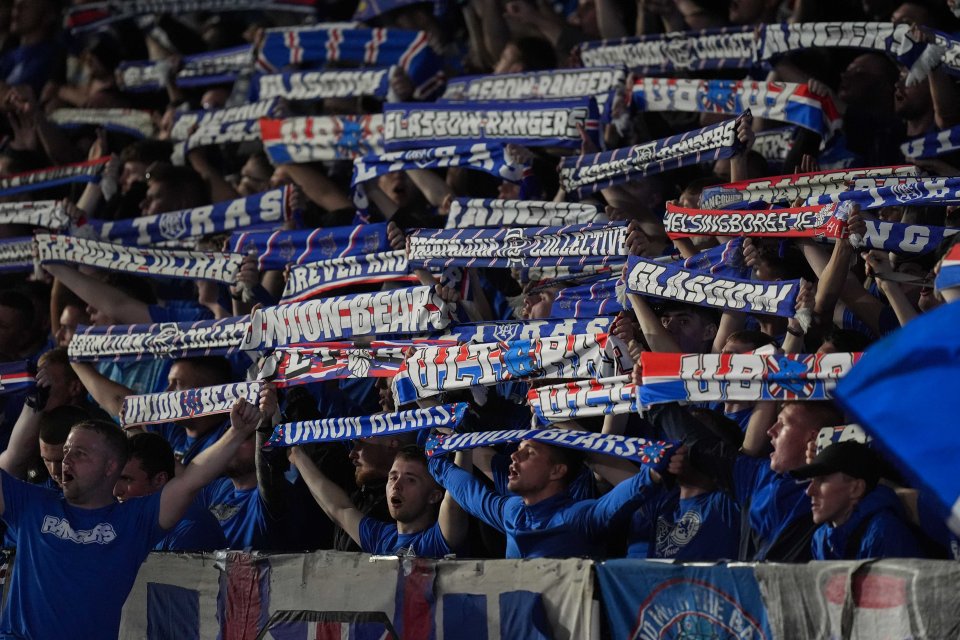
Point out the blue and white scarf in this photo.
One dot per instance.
(661, 280)
(534, 124)
(414, 310)
(293, 434)
(908, 192)
(190, 265)
(214, 135)
(724, 260)
(277, 249)
(131, 342)
(589, 300)
(480, 212)
(370, 9)
(16, 255)
(918, 57)
(173, 406)
(904, 238)
(479, 332)
(198, 70)
(267, 208)
(575, 245)
(932, 145)
(554, 84)
(433, 370)
(92, 16)
(786, 189)
(654, 454)
(315, 278)
(50, 177)
(319, 45)
(783, 101)
(740, 377)
(583, 399)
(831, 435)
(489, 158)
(586, 174)
(132, 122)
(317, 85)
(266, 108)
(314, 138)
(47, 214)
(726, 48)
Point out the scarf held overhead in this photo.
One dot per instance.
(486, 212)
(293, 434)
(398, 311)
(583, 399)
(173, 406)
(122, 343)
(316, 278)
(315, 138)
(277, 249)
(651, 278)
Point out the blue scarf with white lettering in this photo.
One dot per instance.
(726, 48)
(292, 434)
(553, 84)
(663, 280)
(173, 406)
(910, 192)
(50, 177)
(654, 454)
(586, 174)
(16, 255)
(435, 369)
(314, 138)
(932, 145)
(724, 260)
(486, 157)
(47, 214)
(487, 212)
(414, 310)
(133, 342)
(783, 101)
(188, 265)
(316, 278)
(573, 245)
(216, 134)
(317, 85)
(197, 70)
(478, 332)
(537, 123)
(182, 126)
(319, 45)
(269, 208)
(276, 249)
(774, 145)
(583, 399)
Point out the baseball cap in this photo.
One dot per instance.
(852, 458)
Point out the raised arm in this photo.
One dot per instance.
(107, 393)
(100, 295)
(469, 492)
(453, 520)
(180, 492)
(328, 494)
(271, 482)
(318, 187)
(23, 441)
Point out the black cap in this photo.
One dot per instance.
(852, 458)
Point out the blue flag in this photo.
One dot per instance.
(900, 393)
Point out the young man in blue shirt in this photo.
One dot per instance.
(150, 466)
(65, 542)
(858, 518)
(541, 520)
(412, 499)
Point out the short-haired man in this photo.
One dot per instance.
(541, 520)
(858, 518)
(83, 547)
(412, 499)
(150, 466)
